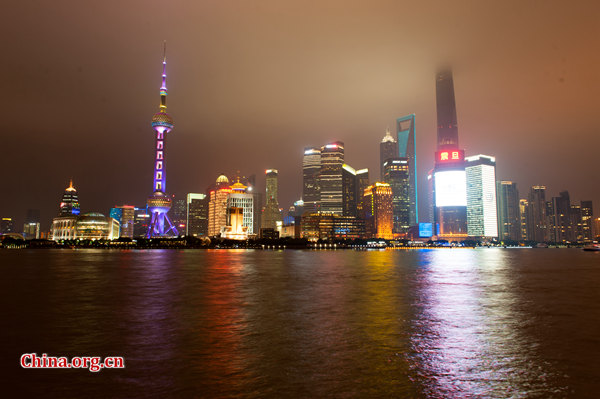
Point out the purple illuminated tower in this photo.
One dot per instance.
(159, 203)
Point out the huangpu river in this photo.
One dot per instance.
(438, 323)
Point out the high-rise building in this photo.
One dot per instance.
(141, 222)
(405, 127)
(180, 213)
(388, 148)
(257, 201)
(311, 168)
(349, 190)
(482, 214)
(560, 218)
(576, 230)
(397, 175)
(379, 213)
(271, 214)
(69, 205)
(159, 202)
(587, 217)
(31, 227)
(125, 215)
(509, 216)
(240, 199)
(330, 179)
(196, 215)
(362, 182)
(523, 213)
(217, 206)
(6, 226)
(537, 220)
(448, 179)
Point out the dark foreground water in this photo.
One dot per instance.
(237, 323)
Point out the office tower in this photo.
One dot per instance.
(447, 127)
(239, 198)
(125, 215)
(448, 179)
(69, 205)
(509, 216)
(349, 190)
(217, 206)
(388, 148)
(576, 224)
(482, 214)
(6, 226)
(159, 202)
(523, 212)
(397, 175)
(141, 222)
(362, 182)
(587, 217)
(405, 127)
(31, 227)
(311, 167)
(560, 218)
(257, 199)
(271, 214)
(196, 215)
(537, 220)
(379, 213)
(330, 179)
(179, 213)
(596, 228)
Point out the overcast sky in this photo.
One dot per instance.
(251, 83)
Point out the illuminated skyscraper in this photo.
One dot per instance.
(379, 213)
(196, 215)
(311, 167)
(69, 205)
(159, 202)
(388, 148)
(397, 175)
(271, 214)
(217, 206)
(509, 220)
(330, 179)
(405, 128)
(523, 211)
(482, 214)
(537, 218)
(243, 202)
(587, 217)
(125, 215)
(448, 179)
(362, 182)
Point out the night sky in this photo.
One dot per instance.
(251, 83)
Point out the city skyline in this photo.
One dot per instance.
(547, 97)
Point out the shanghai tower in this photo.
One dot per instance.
(159, 202)
(447, 129)
(448, 179)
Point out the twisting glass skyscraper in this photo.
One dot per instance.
(159, 203)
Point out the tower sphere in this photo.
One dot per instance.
(162, 119)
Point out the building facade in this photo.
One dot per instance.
(397, 175)
(330, 179)
(196, 215)
(271, 214)
(125, 215)
(482, 213)
(311, 168)
(217, 206)
(509, 215)
(388, 148)
(405, 127)
(379, 212)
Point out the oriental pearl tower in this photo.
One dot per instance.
(159, 203)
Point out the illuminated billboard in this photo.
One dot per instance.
(425, 230)
(450, 188)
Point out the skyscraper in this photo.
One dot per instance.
(217, 206)
(271, 214)
(560, 218)
(311, 167)
(196, 215)
(31, 227)
(397, 175)
(482, 214)
(125, 215)
(388, 148)
(587, 217)
(330, 179)
(362, 182)
(159, 202)
(447, 127)
(537, 220)
(243, 204)
(509, 217)
(405, 127)
(349, 190)
(69, 205)
(523, 213)
(379, 213)
(448, 179)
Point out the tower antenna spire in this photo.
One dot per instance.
(163, 88)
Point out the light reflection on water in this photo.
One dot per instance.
(433, 323)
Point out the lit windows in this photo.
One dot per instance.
(159, 165)
(159, 145)
(159, 155)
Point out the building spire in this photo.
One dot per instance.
(388, 138)
(163, 88)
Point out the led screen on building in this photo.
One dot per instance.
(450, 188)
(425, 230)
